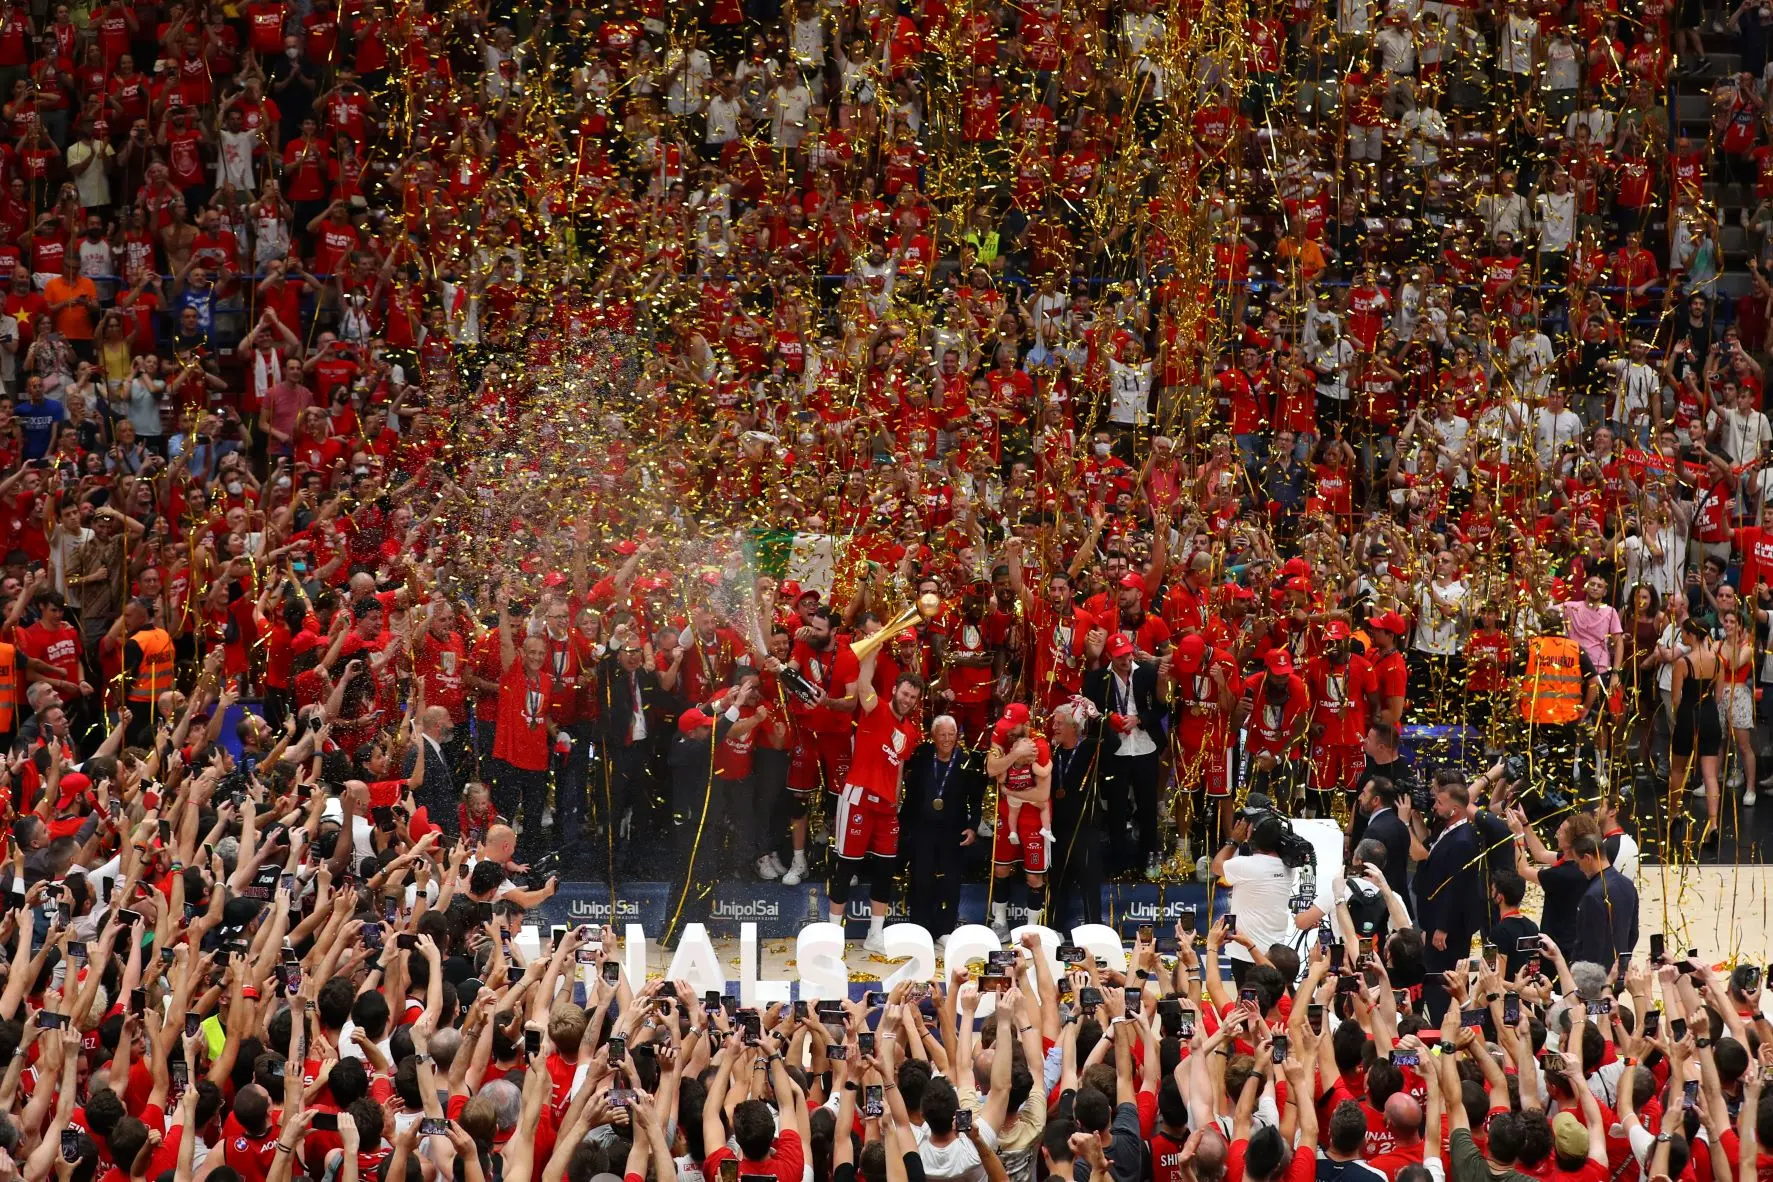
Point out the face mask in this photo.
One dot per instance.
(235, 488)
(282, 482)
(1382, 568)
(361, 471)
(293, 53)
(807, 438)
(1101, 451)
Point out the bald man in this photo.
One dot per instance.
(1403, 1119)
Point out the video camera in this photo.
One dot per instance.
(1294, 851)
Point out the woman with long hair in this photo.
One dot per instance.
(1736, 698)
(1643, 625)
(1698, 727)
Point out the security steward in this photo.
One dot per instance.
(148, 668)
(944, 790)
(1559, 690)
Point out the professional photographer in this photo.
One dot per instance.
(1258, 864)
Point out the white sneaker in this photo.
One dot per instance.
(796, 872)
(1735, 780)
(769, 867)
(942, 942)
(875, 943)
(1000, 928)
(1748, 799)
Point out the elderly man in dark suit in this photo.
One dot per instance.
(939, 817)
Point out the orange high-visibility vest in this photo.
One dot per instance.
(8, 687)
(156, 673)
(1551, 690)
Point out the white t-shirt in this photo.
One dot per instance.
(236, 159)
(1260, 886)
(958, 1160)
(1437, 633)
(1129, 392)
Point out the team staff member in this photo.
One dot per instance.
(1130, 696)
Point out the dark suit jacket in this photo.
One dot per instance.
(963, 793)
(1098, 687)
(1449, 888)
(616, 718)
(1389, 830)
(439, 782)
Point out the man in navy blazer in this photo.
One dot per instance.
(1450, 896)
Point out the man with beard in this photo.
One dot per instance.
(1059, 629)
(975, 659)
(569, 653)
(1149, 635)
(866, 829)
(1389, 669)
(827, 726)
(1130, 695)
(1203, 675)
(1341, 685)
(1022, 765)
(1273, 707)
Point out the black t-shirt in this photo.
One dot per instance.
(1507, 934)
(1563, 885)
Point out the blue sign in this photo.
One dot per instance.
(645, 903)
(780, 911)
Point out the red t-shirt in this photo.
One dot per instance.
(786, 1162)
(521, 737)
(883, 742)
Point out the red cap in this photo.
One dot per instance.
(1119, 645)
(1389, 622)
(1279, 663)
(72, 785)
(1132, 582)
(1014, 715)
(1298, 583)
(626, 548)
(789, 591)
(807, 593)
(692, 719)
(1295, 566)
(419, 824)
(1336, 630)
(1191, 653)
(1241, 593)
(905, 636)
(553, 579)
(305, 641)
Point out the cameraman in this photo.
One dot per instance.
(1261, 884)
